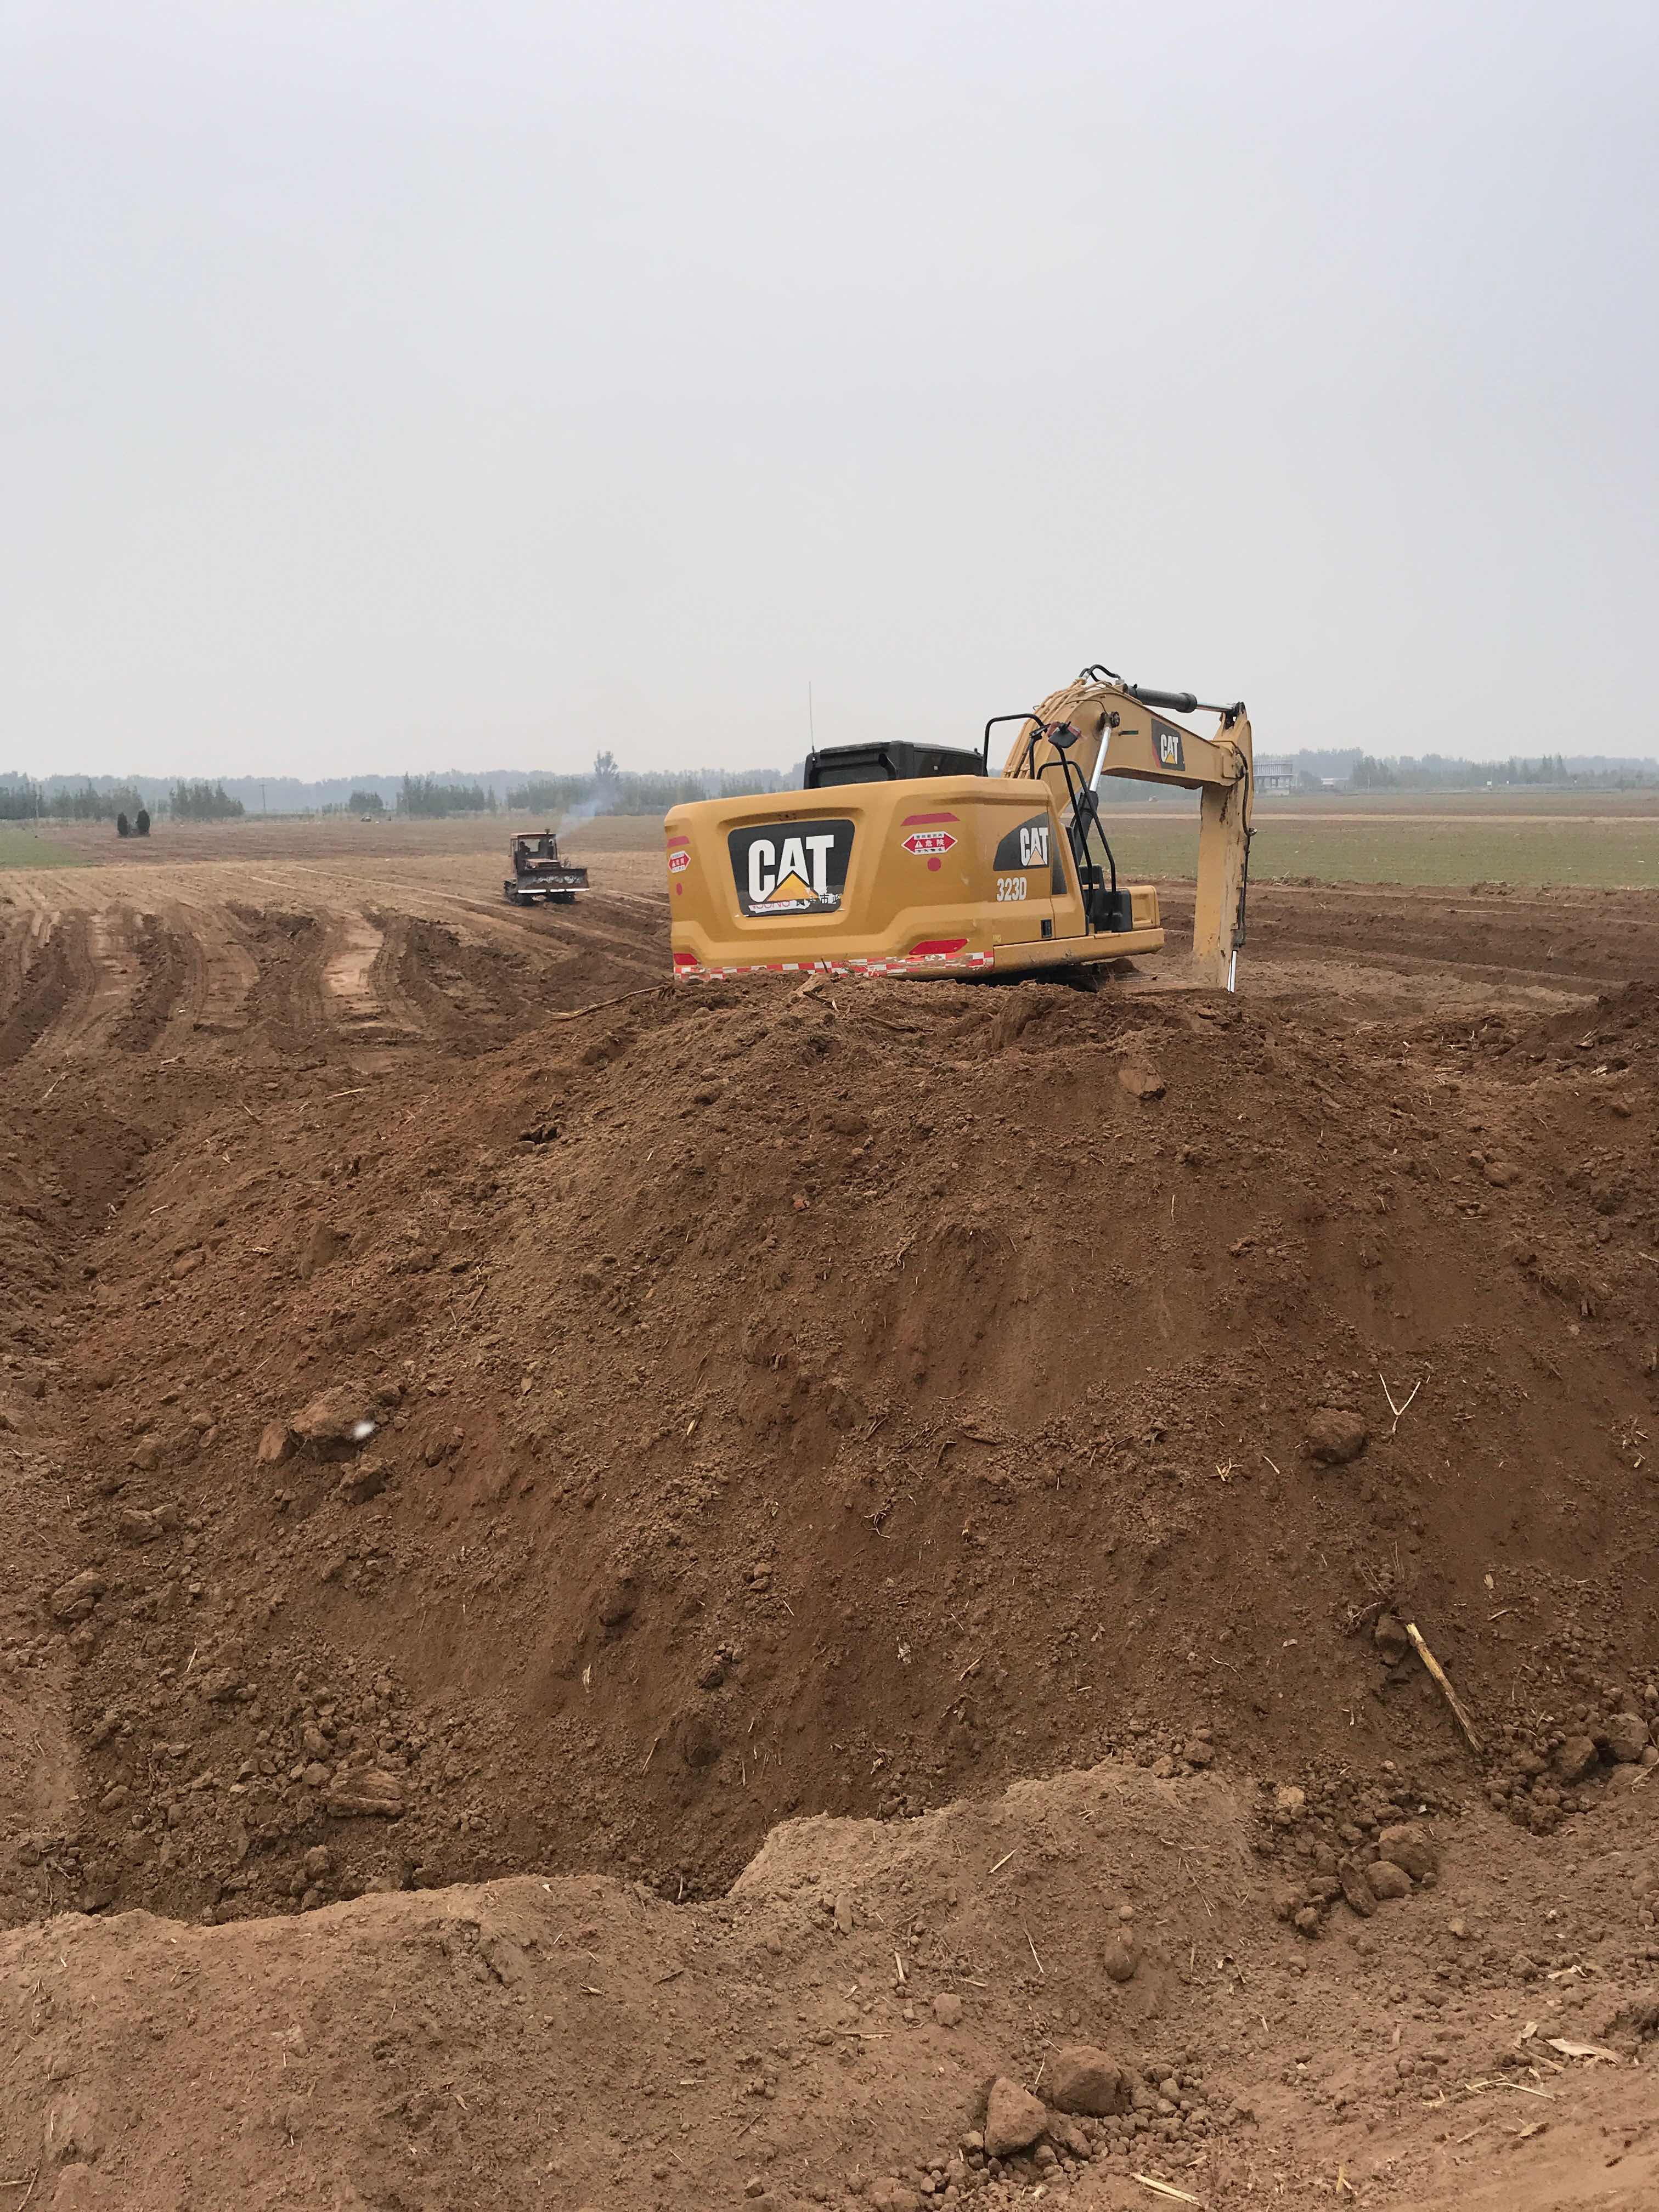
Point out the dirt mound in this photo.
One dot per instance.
(827, 2034)
(846, 1400)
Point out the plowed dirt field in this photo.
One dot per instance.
(620, 1595)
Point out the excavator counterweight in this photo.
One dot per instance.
(906, 860)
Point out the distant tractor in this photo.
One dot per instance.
(539, 872)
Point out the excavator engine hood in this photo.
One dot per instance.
(940, 875)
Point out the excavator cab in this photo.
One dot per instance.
(903, 859)
(894, 760)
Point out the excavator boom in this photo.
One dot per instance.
(1121, 730)
(904, 859)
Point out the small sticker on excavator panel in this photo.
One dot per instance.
(1171, 753)
(791, 867)
(1032, 846)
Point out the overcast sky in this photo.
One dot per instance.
(429, 386)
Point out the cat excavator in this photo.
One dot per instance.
(903, 859)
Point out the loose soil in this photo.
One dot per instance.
(874, 1495)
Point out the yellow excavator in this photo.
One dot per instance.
(901, 858)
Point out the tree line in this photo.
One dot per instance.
(204, 802)
(1437, 770)
(23, 799)
(427, 797)
(605, 788)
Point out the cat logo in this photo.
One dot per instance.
(1029, 844)
(1171, 751)
(791, 867)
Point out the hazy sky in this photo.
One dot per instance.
(429, 386)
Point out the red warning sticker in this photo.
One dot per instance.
(929, 842)
(678, 860)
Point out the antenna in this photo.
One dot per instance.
(811, 732)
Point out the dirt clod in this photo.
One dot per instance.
(370, 1795)
(1627, 1737)
(1387, 1880)
(365, 1480)
(1357, 1889)
(1575, 1758)
(1335, 1438)
(1119, 1961)
(73, 1600)
(1390, 1638)
(1082, 2079)
(1014, 2119)
(1140, 1080)
(1409, 1844)
(335, 1420)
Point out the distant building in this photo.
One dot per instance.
(1273, 775)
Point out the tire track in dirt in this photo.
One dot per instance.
(321, 976)
(104, 957)
(604, 943)
(113, 965)
(43, 984)
(354, 1001)
(285, 1000)
(101, 971)
(476, 976)
(219, 978)
(164, 967)
(467, 996)
(14, 939)
(337, 993)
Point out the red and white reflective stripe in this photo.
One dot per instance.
(904, 963)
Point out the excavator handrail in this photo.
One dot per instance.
(1024, 715)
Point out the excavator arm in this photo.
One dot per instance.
(1101, 725)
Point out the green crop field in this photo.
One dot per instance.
(1382, 839)
(1614, 852)
(1406, 839)
(23, 847)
